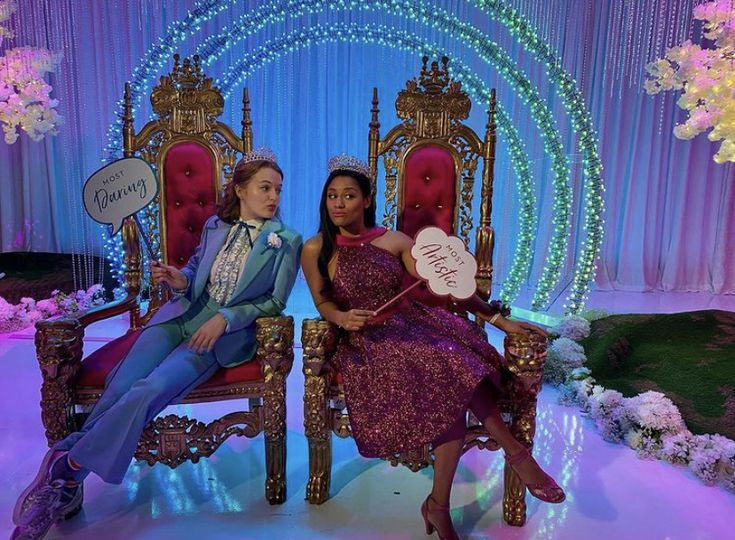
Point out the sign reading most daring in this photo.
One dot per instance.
(445, 264)
(119, 190)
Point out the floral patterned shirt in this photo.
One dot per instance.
(230, 260)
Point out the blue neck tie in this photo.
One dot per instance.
(241, 226)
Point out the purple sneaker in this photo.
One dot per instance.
(51, 503)
(42, 478)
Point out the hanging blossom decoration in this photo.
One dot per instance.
(25, 101)
(707, 77)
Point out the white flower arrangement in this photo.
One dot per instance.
(29, 311)
(711, 458)
(605, 407)
(706, 76)
(572, 327)
(652, 415)
(576, 390)
(25, 101)
(675, 447)
(650, 423)
(274, 241)
(562, 356)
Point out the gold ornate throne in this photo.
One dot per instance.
(194, 154)
(430, 162)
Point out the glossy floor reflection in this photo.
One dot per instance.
(611, 493)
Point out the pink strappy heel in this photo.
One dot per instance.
(547, 490)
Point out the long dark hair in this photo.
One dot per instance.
(228, 209)
(329, 230)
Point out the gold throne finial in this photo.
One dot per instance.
(432, 104)
(188, 76)
(186, 98)
(435, 80)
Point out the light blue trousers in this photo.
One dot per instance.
(158, 370)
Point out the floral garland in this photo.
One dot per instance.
(28, 311)
(649, 423)
(707, 77)
(25, 101)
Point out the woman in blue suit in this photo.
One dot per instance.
(244, 267)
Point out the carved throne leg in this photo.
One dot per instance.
(59, 351)
(274, 429)
(319, 436)
(275, 354)
(318, 339)
(514, 492)
(525, 358)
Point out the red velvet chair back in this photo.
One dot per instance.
(194, 155)
(430, 162)
(429, 190)
(190, 197)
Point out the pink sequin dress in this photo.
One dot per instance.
(410, 375)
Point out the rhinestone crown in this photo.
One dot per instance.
(259, 154)
(344, 162)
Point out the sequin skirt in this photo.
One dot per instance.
(408, 378)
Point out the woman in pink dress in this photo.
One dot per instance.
(410, 372)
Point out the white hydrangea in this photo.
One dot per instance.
(675, 447)
(563, 355)
(607, 409)
(576, 391)
(572, 327)
(654, 412)
(25, 102)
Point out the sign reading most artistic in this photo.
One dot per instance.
(445, 264)
(119, 190)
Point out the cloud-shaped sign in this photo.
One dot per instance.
(445, 264)
(119, 190)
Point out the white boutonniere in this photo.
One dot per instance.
(274, 241)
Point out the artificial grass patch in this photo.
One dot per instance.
(690, 357)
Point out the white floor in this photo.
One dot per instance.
(611, 493)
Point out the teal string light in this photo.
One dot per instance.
(588, 142)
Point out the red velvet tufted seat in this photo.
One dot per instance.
(190, 200)
(431, 161)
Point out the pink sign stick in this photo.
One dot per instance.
(389, 302)
(443, 262)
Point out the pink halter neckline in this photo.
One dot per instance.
(368, 236)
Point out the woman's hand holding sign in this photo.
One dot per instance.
(354, 319)
(165, 273)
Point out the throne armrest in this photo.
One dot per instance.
(111, 309)
(274, 337)
(59, 340)
(525, 355)
(319, 341)
(59, 351)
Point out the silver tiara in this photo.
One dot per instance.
(259, 154)
(343, 162)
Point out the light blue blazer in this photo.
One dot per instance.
(262, 289)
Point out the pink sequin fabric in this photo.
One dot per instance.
(410, 376)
